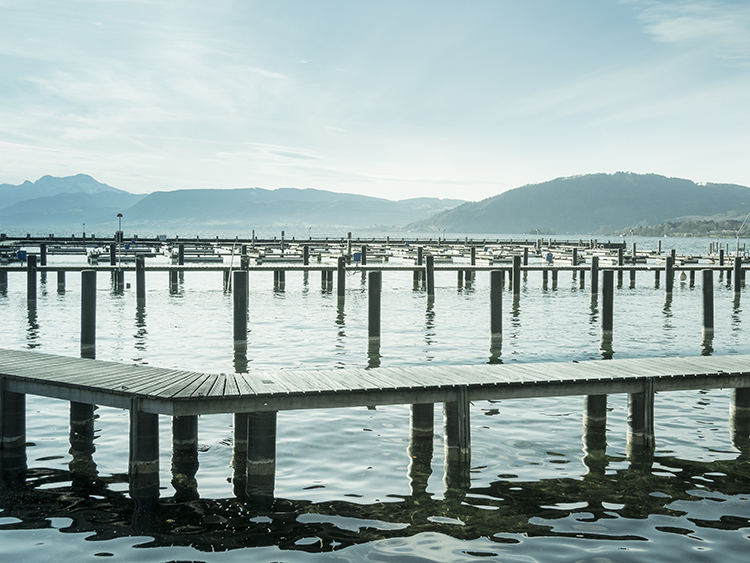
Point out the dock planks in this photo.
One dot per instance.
(179, 392)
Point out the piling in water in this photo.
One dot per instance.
(373, 311)
(13, 436)
(240, 305)
(88, 314)
(341, 281)
(430, 272)
(516, 276)
(144, 452)
(60, 281)
(708, 304)
(261, 458)
(185, 457)
(496, 312)
(594, 275)
(31, 278)
(140, 280)
(641, 438)
(608, 292)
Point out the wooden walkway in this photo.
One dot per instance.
(182, 393)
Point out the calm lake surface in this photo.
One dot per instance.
(347, 489)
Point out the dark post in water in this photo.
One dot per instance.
(88, 314)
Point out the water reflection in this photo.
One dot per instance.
(505, 510)
(429, 329)
(141, 333)
(340, 322)
(32, 326)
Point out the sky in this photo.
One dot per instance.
(391, 98)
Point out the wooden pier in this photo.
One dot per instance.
(255, 399)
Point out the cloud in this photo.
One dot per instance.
(721, 28)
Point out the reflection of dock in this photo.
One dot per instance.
(255, 399)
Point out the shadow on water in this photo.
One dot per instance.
(555, 508)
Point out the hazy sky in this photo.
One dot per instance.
(397, 99)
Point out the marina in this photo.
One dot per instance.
(453, 465)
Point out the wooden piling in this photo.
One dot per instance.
(582, 281)
(430, 272)
(737, 275)
(181, 254)
(373, 310)
(185, 457)
(88, 314)
(620, 262)
(144, 452)
(594, 275)
(140, 280)
(594, 423)
(608, 292)
(305, 255)
(239, 455)
(261, 458)
(341, 281)
(82, 466)
(516, 277)
(113, 254)
(669, 274)
(3, 281)
(43, 254)
(31, 279)
(708, 304)
(12, 435)
(526, 255)
(457, 441)
(363, 251)
(421, 436)
(240, 299)
(641, 420)
(60, 281)
(632, 279)
(739, 419)
(496, 312)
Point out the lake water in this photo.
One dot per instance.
(347, 489)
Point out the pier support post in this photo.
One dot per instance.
(632, 278)
(341, 275)
(240, 297)
(708, 304)
(608, 292)
(516, 276)
(526, 255)
(239, 455)
(641, 439)
(737, 276)
(582, 281)
(261, 458)
(12, 437)
(430, 272)
(181, 254)
(31, 279)
(3, 281)
(144, 452)
(363, 252)
(60, 281)
(595, 432)
(669, 274)
(306, 255)
(496, 315)
(373, 318)
(422, 431)
(88, 314)
(460, 279)
(185, 457)
(457, 441)
(739, 419)
(140, 280)
(82, 465)
(594, 275)
(620, 262)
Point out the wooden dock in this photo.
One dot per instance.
(255, 398)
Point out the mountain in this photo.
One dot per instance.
(252, 208)
(64, 204)
(592, 203)
(52, 203)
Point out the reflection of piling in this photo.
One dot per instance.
(422, 430)
(185, 457)
(88, 313)
(641, 420)
(144, 452)
(261, 458)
